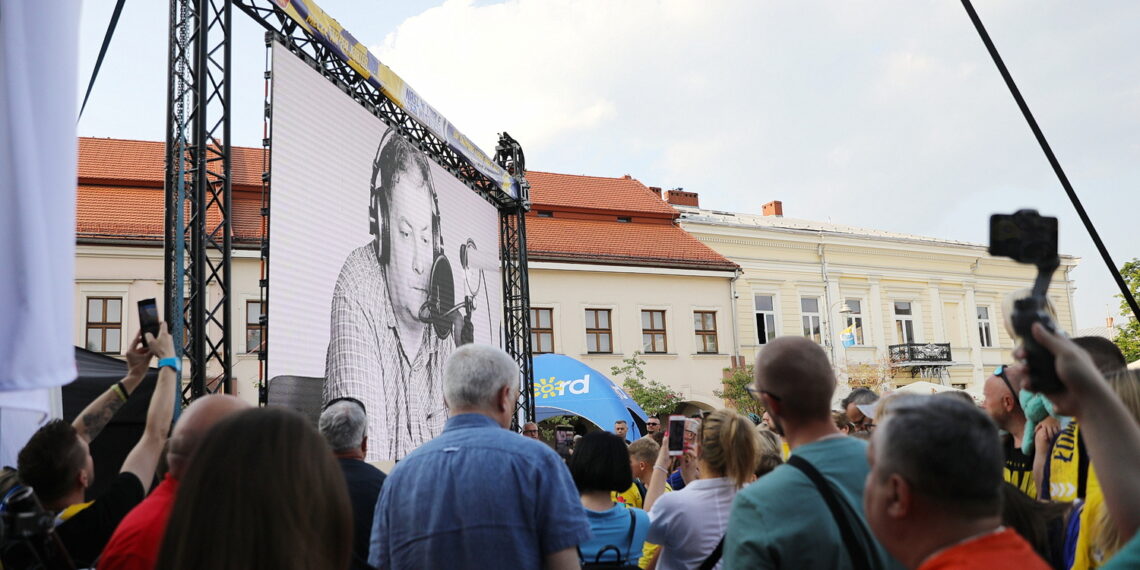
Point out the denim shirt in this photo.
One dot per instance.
(476, 496)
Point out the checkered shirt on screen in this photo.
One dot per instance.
(366, 360)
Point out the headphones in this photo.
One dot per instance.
(393, 155)
(346, 399)
(388, 156)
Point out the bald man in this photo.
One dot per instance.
(782, 520)
(136, 541)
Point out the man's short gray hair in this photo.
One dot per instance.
(475, 373)
(946, 449)
(344, 425)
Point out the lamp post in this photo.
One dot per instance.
(846, 310)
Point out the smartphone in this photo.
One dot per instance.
(148, 318)
(677, 435)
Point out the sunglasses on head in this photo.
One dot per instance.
(1000, 373)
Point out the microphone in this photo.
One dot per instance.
(440, 303)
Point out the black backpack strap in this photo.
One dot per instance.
(859, 558)
(629, 539)
(714, 557)
(629, 545)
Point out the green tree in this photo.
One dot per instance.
(1128, 338)
(736, 394)
(653, 396)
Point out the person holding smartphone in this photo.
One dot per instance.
(690, 524)
(61, 485)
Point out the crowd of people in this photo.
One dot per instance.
(900, 481)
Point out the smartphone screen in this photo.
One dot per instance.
(677, 435)
(148, 318)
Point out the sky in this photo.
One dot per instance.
(887, 114)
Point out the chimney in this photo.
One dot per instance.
(627, 177)
(1109, 321)
(679, 197)
(773, 208)
(656, 190)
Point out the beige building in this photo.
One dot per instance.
(918, 307)
(612, 274)
(119, 255)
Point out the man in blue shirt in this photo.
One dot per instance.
(479, 495)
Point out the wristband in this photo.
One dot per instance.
(120, 390)
(663, 470)
(173, 362)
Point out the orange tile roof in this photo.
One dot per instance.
(121, 213)
(143, 163)
(610, 242)
(548, 189)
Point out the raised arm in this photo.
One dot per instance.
(99, 412)
(1112, 435)
(143, 458)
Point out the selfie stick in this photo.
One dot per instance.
(1052, 158)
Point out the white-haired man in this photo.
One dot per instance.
(479, 494)
(344, 423)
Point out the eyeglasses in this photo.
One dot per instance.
(652, 423)
(530, 431)
(755, 393)
(1000, 373)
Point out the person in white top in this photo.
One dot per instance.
(690, 524)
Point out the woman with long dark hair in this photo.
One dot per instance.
(263, 492)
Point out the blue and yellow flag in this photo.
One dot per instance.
(847, 337)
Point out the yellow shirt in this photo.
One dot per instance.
(1087, 554)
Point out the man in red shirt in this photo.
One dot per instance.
(136, 541)
(933, 496)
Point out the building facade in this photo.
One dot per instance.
(611, 275)
(917, 307)
(119, 253)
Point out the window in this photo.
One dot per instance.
(984, 327)
(765, 319)
(599, 334)
(542, 331)
(545, 214)
(254, 330)
(104, 324)
(904, 322)
(624, 219)
(653, 332)
(704, 326)
(855, 320)
(809, 309)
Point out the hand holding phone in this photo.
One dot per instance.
(676, 435)
(148, 318)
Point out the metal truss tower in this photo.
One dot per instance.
(198, 188)
(198, 233)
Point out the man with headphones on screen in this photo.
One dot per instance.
(389, 338)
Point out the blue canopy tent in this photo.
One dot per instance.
(565, 386)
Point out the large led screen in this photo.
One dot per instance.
(381, 262)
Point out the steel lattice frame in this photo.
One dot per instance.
(198, 180)
(198, 191)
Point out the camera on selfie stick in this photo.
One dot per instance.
(1027, 237)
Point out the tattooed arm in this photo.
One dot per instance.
(98, 413)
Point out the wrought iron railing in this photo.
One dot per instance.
(918, 352)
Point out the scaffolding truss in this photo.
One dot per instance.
(198, 240)
(198, 188)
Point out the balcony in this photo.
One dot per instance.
(915, 354)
